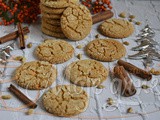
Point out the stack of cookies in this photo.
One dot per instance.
(51, 14)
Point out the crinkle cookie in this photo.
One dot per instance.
(58, 3)
(116, 28)
(106, 50)
(54, 51)
(65, 100)
(86, 73)
(76, 22)
(35, 75)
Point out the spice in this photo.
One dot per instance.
(12, 36)
(21, 36)
(97, 36)
(155, 72)
(29, 45)
(100, 86)
(132, 16)
(6, 97)
(130, 110)
(79, 46)
(30, 111)
(138, 23)
(79, 56)
(110, 101)
(135, 70)
(126, 43)
(144, 86)
(102, 16)
(22, 97)
(127, 87)
(122, 15)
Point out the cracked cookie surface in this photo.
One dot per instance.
(116, 28)
(76, 22)
(54, 51)
(58, 3)
(86, 73)
(35, 75)
(65, 100)
(106, 50)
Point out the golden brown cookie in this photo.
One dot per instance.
(51, 33)
(35, 75)
(58, 3)
(51, 21)
(51, 16)
(116, 28)
(56, 29)
(106, 50)
(50, 10)
(76, 22)
(65, 100)
(86, 73)
(54, 51)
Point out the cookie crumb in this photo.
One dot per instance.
(29, 45)
(130, 110)
(122, 15)
(6, 97)
(138, 23)
(100, 86)
(25, 37)
(144, 86)
(132, 16)
(110, 101)
(30, 111)
(154, 72)
(79, 46)
(97, 36)
(23, 60)
(126, 43)
(130, 20)
(79, 56)
(18, 58)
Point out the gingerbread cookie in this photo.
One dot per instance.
(65, 100)
(51, 16)
(53, 34)
(35, 75)
(56, 29)
(51, 21)
(58, 3)
(106, 50)
(86, 73)
(116, 28)
(54, 51)
(51, 10)
(76, 22)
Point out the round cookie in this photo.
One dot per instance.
(54, 51)
(35, 75)
(51, 33)
(58, 3)
(86, 73)
(76, 22)
(65, 100)
(116, 28)
(51, 21)
(106, 50)
(50, 10)
(50, 27)
(51, 16)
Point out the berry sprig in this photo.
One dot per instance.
(97, 6)
(14, 11)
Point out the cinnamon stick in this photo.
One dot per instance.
(21, 36)
(135, 70)
(127, 87)
(102, 16)
(12, 36)
(22, 97)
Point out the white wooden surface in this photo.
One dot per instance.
(146, 103)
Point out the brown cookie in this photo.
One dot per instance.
(51, 16)
(51, 21)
